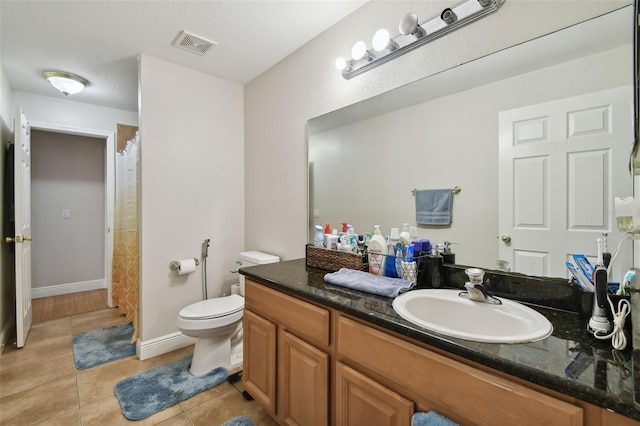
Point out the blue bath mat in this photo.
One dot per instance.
(146, 393)
(239, 421)
(100, 346)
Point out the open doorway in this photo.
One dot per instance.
(72, 177)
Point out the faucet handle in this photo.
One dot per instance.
(475, 275)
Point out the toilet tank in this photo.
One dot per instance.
(252, 258)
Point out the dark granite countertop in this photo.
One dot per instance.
(570, 361)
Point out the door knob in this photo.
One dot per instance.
(17, 239)
(506, 238)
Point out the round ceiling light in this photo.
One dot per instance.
(67, 83)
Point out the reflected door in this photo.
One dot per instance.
(562, 163)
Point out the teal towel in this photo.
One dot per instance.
(431, 418)
(433, 206)
(364, 281)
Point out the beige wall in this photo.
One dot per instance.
(306, 84)
(191, 142)
(67, 172)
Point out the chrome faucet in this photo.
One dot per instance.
(475, 289)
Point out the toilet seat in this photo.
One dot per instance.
(213, 308)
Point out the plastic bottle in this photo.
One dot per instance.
(409, 272)
(405, 237)
(333, 240)
(390, 262)
(327, 235)
(399, 259)
(319, 237)
(377, 250)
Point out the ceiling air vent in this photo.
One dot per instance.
(193, 43)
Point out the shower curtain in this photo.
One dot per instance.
(126, 257)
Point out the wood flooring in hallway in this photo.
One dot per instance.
(48, 308)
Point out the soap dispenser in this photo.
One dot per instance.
(377, 250)
(447, 255)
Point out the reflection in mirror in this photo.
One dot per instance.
(537, 136)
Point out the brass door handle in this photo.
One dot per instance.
(17, 239)
(506, 238)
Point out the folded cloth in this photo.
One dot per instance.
(431, 418)
(370, 283)
(433, 206)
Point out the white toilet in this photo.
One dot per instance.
(217, 324)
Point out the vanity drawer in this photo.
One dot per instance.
(300, 318)
(476, 396)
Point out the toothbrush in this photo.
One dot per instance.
(626, 282)
(606, 256)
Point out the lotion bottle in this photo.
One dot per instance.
(405, 237)
(377, 251)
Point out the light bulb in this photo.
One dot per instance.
(341, 63)
(359, 50)
(381, 40)
(409, 25)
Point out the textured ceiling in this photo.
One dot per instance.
(101, 40)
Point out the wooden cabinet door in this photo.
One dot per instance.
(304, 383)
(259, 364)
(361, 401)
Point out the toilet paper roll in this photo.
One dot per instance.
(186, 266)
(235, 288)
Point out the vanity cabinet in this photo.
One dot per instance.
(433, 381)
(259, 366)
(313, 365)
(286, 359)
(361, 401)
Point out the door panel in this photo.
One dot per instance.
(22, 239)
(561, 167)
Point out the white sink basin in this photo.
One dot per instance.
(445, 312)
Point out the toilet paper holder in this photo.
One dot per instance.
(175, 264)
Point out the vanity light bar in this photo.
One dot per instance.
(449, 20)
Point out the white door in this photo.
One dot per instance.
(22, 239)
(562, 163)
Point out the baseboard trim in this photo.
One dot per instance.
(6, 331)
(57, 290)
(162, 345)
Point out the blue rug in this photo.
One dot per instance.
(146, 393)
(239, 421)
(101, 346)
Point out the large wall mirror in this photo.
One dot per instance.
(537, 136)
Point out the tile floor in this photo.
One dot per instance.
(39, 384)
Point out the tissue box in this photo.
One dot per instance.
(333, 260)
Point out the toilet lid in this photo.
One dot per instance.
(213, 308)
